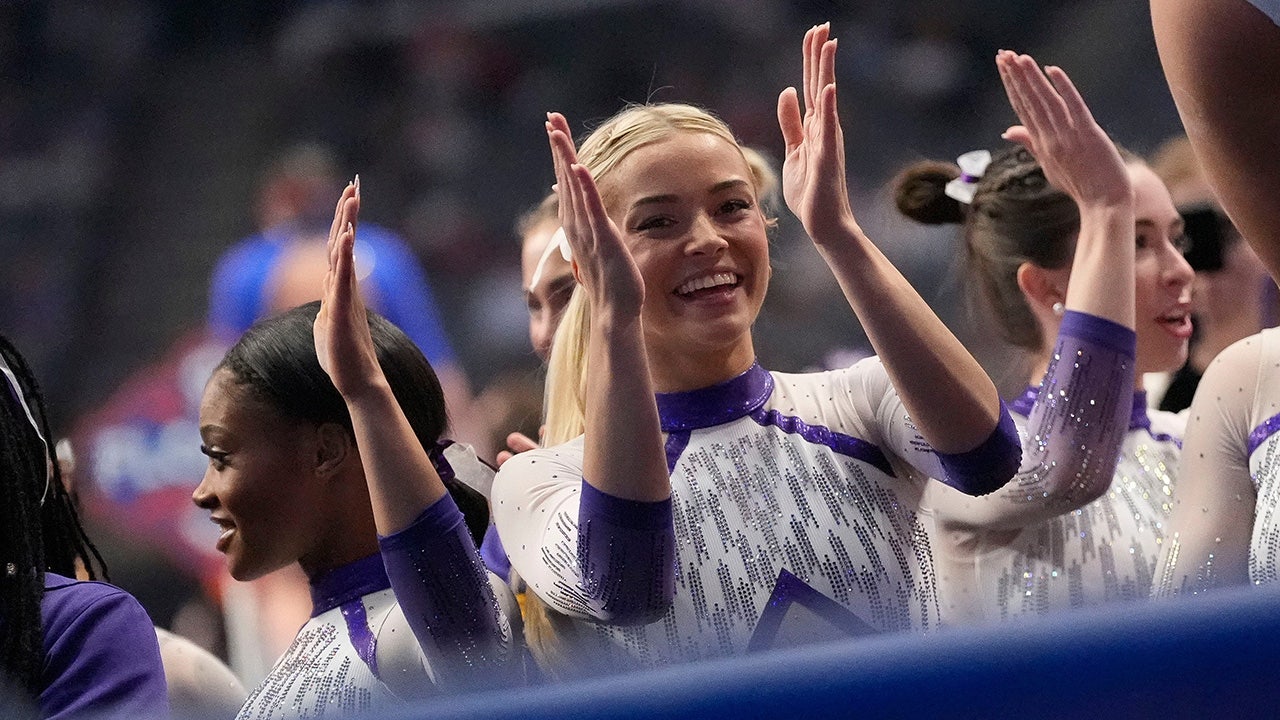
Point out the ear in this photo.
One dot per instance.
(1042, 287)
(333, 446)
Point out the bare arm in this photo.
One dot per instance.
(1222, 60)
(431, 559)
(623, 456)
(950, 398)
(1209, 533)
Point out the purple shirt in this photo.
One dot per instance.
(102, 657)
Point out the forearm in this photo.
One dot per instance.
(445, 594)
(623, 455)
(402, 481)
(1220, 59)
(1102, 271)
(950, 398)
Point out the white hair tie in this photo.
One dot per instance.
(973, 165)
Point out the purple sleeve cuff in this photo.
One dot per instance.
(494, 555)
(989, 466)
(1099, 331)
(444, 591)
(626, 554)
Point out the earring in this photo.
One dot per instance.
(10, 569)
(1059, 309)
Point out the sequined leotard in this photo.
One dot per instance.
(419, 617)
(1102, 552)
(1043, 542)
(783, 486)
(1226, 525)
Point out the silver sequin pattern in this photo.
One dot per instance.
(749, 501)
(1103, 552)
(321, 674)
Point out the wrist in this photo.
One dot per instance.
(843, 233)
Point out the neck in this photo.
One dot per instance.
(346, 533)
(690, 370)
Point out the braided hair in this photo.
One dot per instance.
(40, 530)
(1016, 216)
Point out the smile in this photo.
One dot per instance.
(707, 282)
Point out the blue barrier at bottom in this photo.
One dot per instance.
(1195, 657)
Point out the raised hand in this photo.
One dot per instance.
(601, 261)
(343, 343)
(813, 174)
(1058, 129)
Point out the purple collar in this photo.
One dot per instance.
(348, 582)
(715, 405)
(1138, 419)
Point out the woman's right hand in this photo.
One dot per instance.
(601, 261)
(1060, 132)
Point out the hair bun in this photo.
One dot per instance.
(920, 193)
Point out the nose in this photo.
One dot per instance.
(1175, 269)
(704, 237)
(541, 331)
(203, 496)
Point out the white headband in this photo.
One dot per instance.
(558, 240)
(973, 165)
(22, 400)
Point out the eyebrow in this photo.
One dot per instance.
(718, 187)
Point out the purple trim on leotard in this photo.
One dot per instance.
(715, 405)
(989, 466)
(360, 634)
(676, 443)
(443, 589)
(1098, 331)
(819, 435)
(346, 587)
(1265, 430)
(348, 582)
(626, 555)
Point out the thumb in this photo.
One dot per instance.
(789, 119)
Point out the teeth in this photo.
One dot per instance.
(706, 282)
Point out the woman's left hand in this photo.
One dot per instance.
(813, 174)
(343, 343)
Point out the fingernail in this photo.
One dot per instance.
(357, 183)
(351, 228)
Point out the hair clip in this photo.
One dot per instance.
(973, 165)
(31, 418)
(558, 241)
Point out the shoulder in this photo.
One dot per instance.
(68, 602)
(548, 462)
(102, 655)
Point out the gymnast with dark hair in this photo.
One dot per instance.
(323, 426)
(76, 648)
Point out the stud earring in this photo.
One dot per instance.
(1059, 309)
